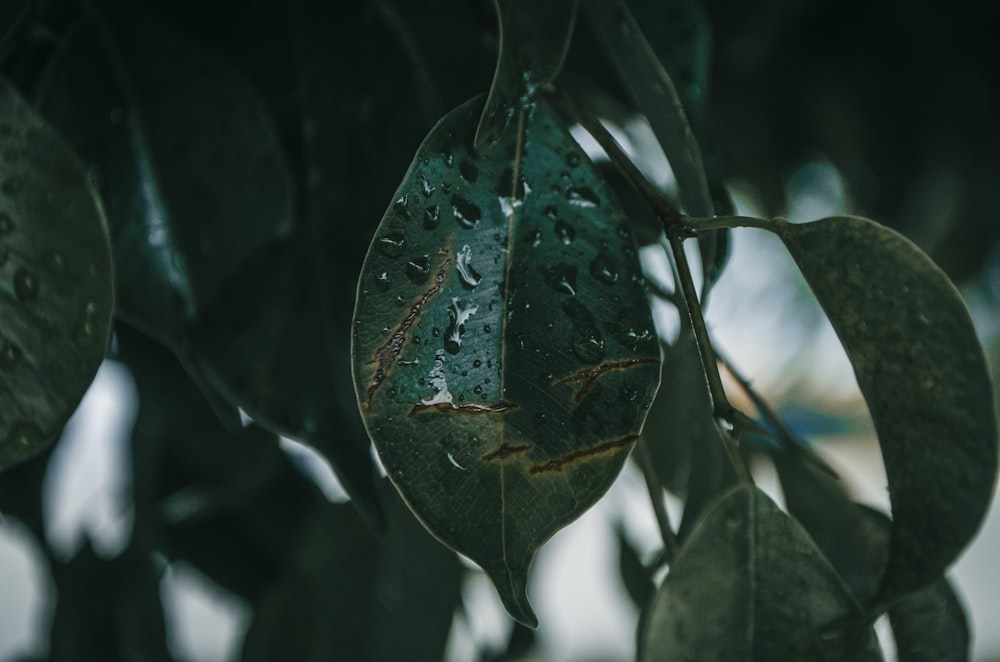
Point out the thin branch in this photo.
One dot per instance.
(726, 222)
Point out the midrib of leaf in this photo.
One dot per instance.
(511, 224)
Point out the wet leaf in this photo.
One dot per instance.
(930, 625)
(55, 281)
(921, 370)
(185, 158)
(751, 585)
(534, 38)
(504, 355)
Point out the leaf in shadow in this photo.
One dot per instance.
(503, 349)
(55, 281)
(185, 158)
(930, 625)
(750, 585)
(921, 370)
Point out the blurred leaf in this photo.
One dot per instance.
(456, 330)
(534, 38)
(921, 370)
(635, 576)
(396, 602)
(930, 625)
(108, 610)
(184, 155)
(849, 534)
(57, 290)
(228, 501)
(751, 585)
(684, 443)
(273, 314)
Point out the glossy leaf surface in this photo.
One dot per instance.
(56, 291)
(749, 584)
(921, 370)
(504, 355)
(185, 158)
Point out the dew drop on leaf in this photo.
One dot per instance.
(418, 269)
(392, 244)
(589, 348)
(603, 269)
(10, 354)
(432, 217)
(466, 214)
(25, 285)
(565, 232)
(468, 275)
(582, 196)
(561, 278)
(383, 281)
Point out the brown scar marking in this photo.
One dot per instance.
(465, 408)
(589, 376)
(558, 463)
(387, 354)
(505, 451)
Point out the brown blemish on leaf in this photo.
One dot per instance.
(465, 408)
(607, 447)
(386, 355)
(589, 376)
(505, 451)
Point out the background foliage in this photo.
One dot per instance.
(244, 152)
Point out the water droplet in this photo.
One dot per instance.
(448, 158)
(432, 217)
(10, 354)
(466, 213)
(426, 188)
(565, 232)
(623, 231)
(561, 278)
(603, 269)
(25, 285)
(551, 212)
(55, 262)
(468, 275)
(383, 281)
(477, 363)
(459, 315)
(86, 332)
(589, 348)
(11, 186)
(487, 328)
(478, 390)
(436, 332)
(6, 223)
(536, 238)
(582, 196)
(572, 159)
(418, 269)
(469, 171)
(24, 435)
(392, 244)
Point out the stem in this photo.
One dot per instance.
(720, 403)
(655, 489)
(661, 204)
(725, 222)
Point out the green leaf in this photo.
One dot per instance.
(185, 157)
(922, 372)
(504, 354)
(55, 281)
(750, 585)
(274, 314)
(854, 539)
(534, 38)
(930, 625)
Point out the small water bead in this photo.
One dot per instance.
(467, 274)
(582, 196)
(466, 214)
(603, 269)
(55, 262)
(469, 171)
(418, 269)
(426, 188)
(86, 332)
(572, 159)
(589, 348)
(561, 278)
(392, 244)
(565, 232)
(383, 281)
(448, 159)
(477, 363)
(432, 217)
(552, 212)
(536, 238)
(25, 285)
(10, 354)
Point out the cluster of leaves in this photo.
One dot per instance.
(203, 186)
